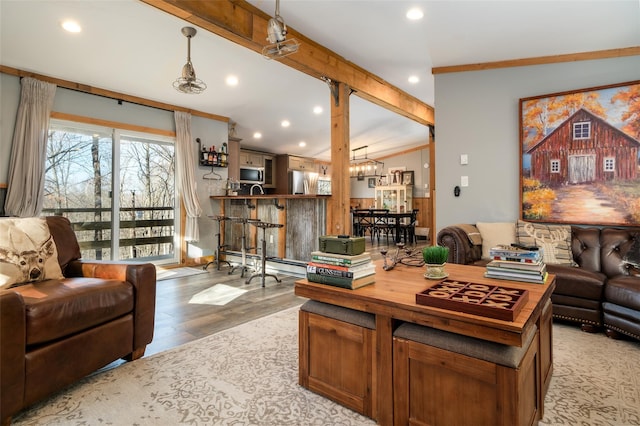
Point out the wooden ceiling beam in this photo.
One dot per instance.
(246, 25)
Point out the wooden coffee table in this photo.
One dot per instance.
(393, 299)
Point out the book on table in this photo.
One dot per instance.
(506, 265)
(349, 283)
(340, 259)
(341, 272)
(504, 252)
(514, 276)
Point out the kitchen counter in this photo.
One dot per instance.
(303, 219)
(267, 196)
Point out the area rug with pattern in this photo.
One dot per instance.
(248, 375)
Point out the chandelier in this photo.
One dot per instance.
(361, 166)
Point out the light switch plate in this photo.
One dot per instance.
(464, 181)
(464, 159)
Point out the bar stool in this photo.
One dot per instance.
(219, 246)
(243, 246)
(263, 256)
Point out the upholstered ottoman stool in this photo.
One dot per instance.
(442, 378)
(337, 354)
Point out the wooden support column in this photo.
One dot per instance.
(338, 215)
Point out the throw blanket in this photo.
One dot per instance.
(472, 234)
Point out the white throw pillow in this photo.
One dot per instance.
(27, 252)
(496, 233)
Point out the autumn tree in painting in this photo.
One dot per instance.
(630, 98)
(540, 118)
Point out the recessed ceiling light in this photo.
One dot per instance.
(285, 123)
(317, 110)
(415, 14)
(231, 80)
(257, 135)
(71, 26)
(414, 79)
(302, 144)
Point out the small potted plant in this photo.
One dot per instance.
(435, 257)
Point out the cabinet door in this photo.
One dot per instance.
(248, 158)
(269, 171)
(301, 163)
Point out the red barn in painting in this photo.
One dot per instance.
(584, 148)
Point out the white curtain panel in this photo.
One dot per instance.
(29, 149)
(185, 166)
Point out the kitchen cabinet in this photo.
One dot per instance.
(251, 158)
(269, 171)
(302, 163)
(395, 198)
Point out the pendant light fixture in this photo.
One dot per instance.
(188, 82)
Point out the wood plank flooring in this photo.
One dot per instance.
(179, 322)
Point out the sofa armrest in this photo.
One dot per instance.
(12, 352)
(461, 250)
(143, 278)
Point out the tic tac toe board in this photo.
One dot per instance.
(491, 301)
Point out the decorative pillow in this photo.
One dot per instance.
(633, 255)
(495, 233)
(27, 252)
(555, 241)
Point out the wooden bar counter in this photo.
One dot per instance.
(392, 299)
(303, 218)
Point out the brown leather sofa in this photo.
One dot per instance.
(603, 291)
(54, 332)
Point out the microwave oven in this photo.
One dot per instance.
(252, 175)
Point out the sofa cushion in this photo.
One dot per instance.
(555, 240)
(59, 308)
(577, 282)
(65, 238)
(27, 252)
(495, 233)
(624, 290)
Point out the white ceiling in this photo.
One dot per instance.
(130, 47)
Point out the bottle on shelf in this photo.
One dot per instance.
(215, 156)
(205, 155)
(210, 157)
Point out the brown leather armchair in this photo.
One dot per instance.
(55, 332)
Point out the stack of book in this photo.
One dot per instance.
(517, 264)
(341, 270)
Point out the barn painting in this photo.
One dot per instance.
(580, 156)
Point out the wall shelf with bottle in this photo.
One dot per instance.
(208, 156)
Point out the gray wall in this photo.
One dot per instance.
(477, 113)
(412, 161)
(211, 132)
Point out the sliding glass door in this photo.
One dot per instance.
(117, 187)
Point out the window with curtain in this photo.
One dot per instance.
(118, 189)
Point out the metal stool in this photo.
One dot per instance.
(263, 256)
(219, 246)
(243, 247)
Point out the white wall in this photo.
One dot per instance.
(477, 113)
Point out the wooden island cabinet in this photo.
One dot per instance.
(303, 218)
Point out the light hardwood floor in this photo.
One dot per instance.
(179, 322)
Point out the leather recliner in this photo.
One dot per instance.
(54, 332)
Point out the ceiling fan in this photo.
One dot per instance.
(279, 46)
(188, 82)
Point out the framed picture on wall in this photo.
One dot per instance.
(395, 175)
(407, 177)
(371, 182)
(580, 156)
